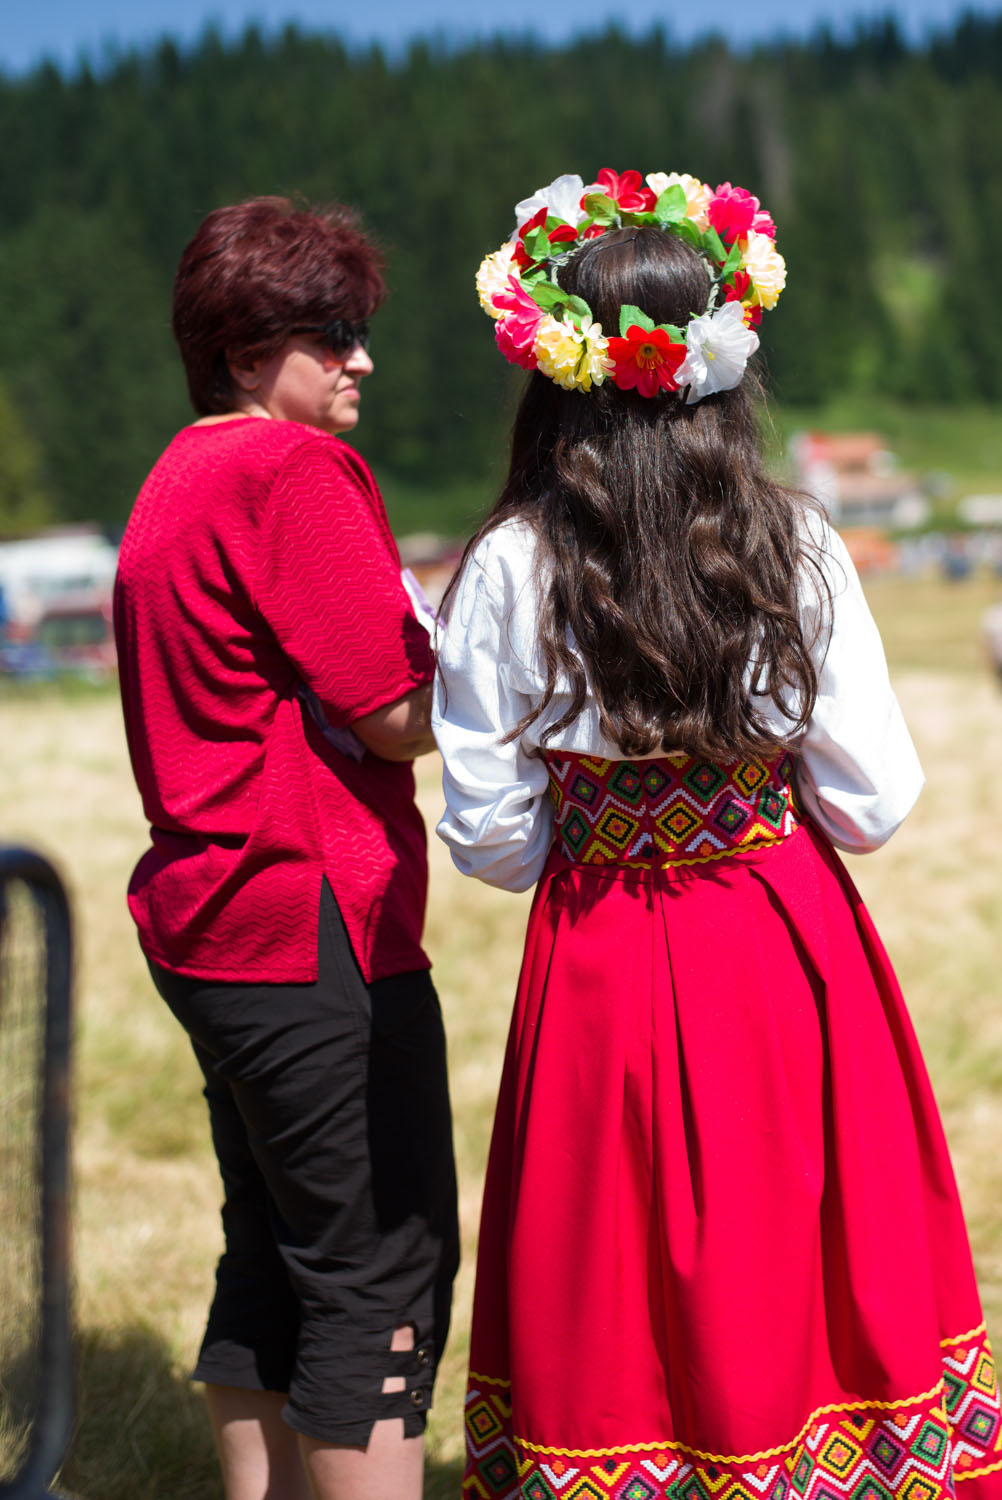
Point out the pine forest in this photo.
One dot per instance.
(878, 160)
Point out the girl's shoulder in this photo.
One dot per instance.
(827, 569)
(496, 594)
(505, 554)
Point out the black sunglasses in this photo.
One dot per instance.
(339, 336)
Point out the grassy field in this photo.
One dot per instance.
(147, 1194)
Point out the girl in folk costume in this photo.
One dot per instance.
(722, 1255)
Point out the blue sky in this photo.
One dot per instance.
(63, 29)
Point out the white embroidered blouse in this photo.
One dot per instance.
(857, 771)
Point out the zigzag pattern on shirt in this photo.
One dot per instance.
(259, 553)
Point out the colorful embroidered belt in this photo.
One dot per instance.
(678, 810)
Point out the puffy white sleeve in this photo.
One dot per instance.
(498, 817)
(858, 775)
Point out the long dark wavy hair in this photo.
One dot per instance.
(667, 559)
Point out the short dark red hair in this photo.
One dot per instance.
(256, 270)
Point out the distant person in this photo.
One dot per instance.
(722, 1253)
(956, 560)
(276, 686)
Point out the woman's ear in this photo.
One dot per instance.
(244, 372)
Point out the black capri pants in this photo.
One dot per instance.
(330, 1118)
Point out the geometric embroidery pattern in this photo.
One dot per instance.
(676, 810)
(915, 1449)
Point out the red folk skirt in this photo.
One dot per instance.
(722, 1255)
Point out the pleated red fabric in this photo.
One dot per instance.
(722, 1251)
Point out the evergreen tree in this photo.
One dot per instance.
(24, 503)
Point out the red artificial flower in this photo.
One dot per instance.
(564, 233)
(732, 212)
(536, 222)
(737, 290)
(646, 360)
(627, 189)
(521, 256)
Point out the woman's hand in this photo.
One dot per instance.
(401, 730)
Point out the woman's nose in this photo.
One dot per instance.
(359, 361)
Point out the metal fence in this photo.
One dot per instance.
(35, 1342)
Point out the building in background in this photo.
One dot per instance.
(856, 479)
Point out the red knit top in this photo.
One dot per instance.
(258, 558)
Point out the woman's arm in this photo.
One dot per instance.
(401, 730)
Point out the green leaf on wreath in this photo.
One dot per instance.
(713, 244)
(537, 243)
(632, 317)
(600, 206)
(547, 295)
(733, 261)
(671, 205)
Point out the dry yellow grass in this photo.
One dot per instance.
(146, 1204)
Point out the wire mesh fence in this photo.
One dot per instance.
(35, 1364)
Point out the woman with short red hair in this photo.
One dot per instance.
(276, 686)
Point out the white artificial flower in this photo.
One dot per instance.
(493, 277)
(562, 198)
(766, 267)
(719, 348)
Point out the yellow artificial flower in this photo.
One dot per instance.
(766, 267)
(575, 359)
(493, 276)
(697, 194)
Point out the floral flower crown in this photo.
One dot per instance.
(541, 327)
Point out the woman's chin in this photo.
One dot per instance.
(344, 419)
